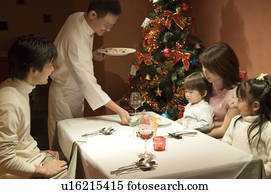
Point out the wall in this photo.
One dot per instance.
(28, 19)
(245, 25)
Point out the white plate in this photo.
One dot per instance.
(160, 121)
(117, 51)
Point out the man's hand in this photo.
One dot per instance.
(124, 117)
(50, 168)
(98, 56)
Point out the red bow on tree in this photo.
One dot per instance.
(146, 58)
(185, 58)
(173, 16)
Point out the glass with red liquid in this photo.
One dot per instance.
(145, 132)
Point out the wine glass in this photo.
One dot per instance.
(145, 132)
(135, 100)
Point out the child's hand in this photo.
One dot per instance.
(179, 121)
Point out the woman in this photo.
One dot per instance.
(221, 68)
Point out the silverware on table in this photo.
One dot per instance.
(179, 134)
(104, 131)
(143, 164)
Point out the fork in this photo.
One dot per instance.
(94, 132)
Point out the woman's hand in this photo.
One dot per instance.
(219, 132)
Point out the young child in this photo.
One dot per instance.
(198, 114)
(251, 130)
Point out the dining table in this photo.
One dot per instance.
(195, 155)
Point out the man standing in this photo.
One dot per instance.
(73, 79)
(30, 62)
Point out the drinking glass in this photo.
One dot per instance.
(135, 100)
(145, 132)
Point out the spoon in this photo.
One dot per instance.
(142, 164)
(104, 131)
(138, 163)
(179, 134)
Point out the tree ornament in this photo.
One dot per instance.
(158, 92)
(194, 61)
(148, 77)
(178, 10)
(197, 46)
(167, 52)
(165, 115)
(181, 109)
(185, 6)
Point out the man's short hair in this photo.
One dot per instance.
(29, 52)
(103, 7)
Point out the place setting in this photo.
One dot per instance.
(181, 131)
(146, 160)
(103, 131)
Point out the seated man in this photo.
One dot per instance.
(30, 62)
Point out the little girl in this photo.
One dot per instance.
(198, 114)
(251, 130)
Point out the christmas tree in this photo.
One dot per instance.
(169, 53)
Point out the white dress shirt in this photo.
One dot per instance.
(73, 78)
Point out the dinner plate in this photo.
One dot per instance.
(116, 51)
(160, 121)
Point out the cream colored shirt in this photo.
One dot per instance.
(74, 65)
(18, 150)
(237, 137)
(198, 116)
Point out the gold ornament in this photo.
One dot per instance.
(158, 92)
(148, 77)
(178, 10)
(197, 46)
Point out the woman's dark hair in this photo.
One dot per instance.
(103, 7)
(221, 59)
(197, 81)
(29, 52)
(256, 90)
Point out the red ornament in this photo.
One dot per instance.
(167, 52)
(181, 109)
(185, 6)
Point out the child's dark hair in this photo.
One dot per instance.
(29, 52)
(256, 90)
(103, 7)
(197, 81)
(219, 58)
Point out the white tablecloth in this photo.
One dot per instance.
(197, 156)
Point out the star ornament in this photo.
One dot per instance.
(261, 76)
(158, 92)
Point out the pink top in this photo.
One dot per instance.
(221, 101)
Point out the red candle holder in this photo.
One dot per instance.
(159, 143)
